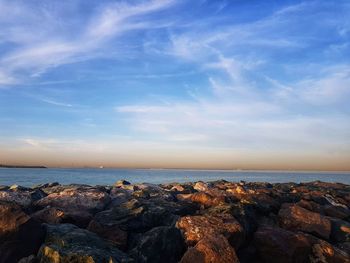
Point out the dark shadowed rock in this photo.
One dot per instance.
(340, 231)
(110, 232)
(294, 217)
(20, 235)
(53, 215)
(340, 212)
(161, 244)
(323, 252)
(30, 259)
(279, 245)
(68, 243)
(197, 227)
(211, 249)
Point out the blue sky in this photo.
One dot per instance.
(211, 84)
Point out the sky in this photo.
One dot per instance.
(175, 84)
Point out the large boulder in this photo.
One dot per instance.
(201, 186)
(294, 217)
(68, 243)
(323, 252)
(207, 200)
(20, 235)
(280, 245)
(211, 249)
(85, 198)
(111, 232)
(53, 215)
(340, 231)
(197, 227)
(161, 244)
(141, 215)
(21, 196)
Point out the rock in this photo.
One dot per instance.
(121, 182)
(211, 249)
(178, 188)
(23, 199)
(237, 190)
(30, 259)
(119, 196)
(20, 235)
(21, 196)
(89, 199)
(142, 215)
(262, 202)
(337, 211)
(68, 243)
(311, 206)
(323, 252)
(197, 227)
(293, 217)
(279, 245)
(201, 186)
(207, 200)
(53, 215)
(110, 232)
(340, 231)
(161, 244)
(39, 186)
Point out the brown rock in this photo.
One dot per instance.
(310, 205)
(294, 217)
(211, 249)
(110, 232)
(280, 245)
(207, 200)
(53, 215)
(323, 252)
(20, 235)
(201, 186)
(197, 227)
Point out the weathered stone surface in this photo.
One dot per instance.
(20, 235)
(197, 227)
(67, 243)
(121, 182)
(211, 249)
(110, 232)
(89, 199)
(279, 245)
(161, 244)
(294, 217)
(340, 231)
(337, 211)
(21, 196)
(201, 186)
(53, 215)
(207, 200)
(323, 252)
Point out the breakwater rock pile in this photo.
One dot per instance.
(215, 222)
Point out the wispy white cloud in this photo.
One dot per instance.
(33, 56)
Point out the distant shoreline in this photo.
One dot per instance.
(22, 166)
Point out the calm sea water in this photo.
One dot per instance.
(30, 177)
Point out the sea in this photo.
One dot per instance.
(32, 176)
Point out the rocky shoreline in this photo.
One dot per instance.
(215, 222)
